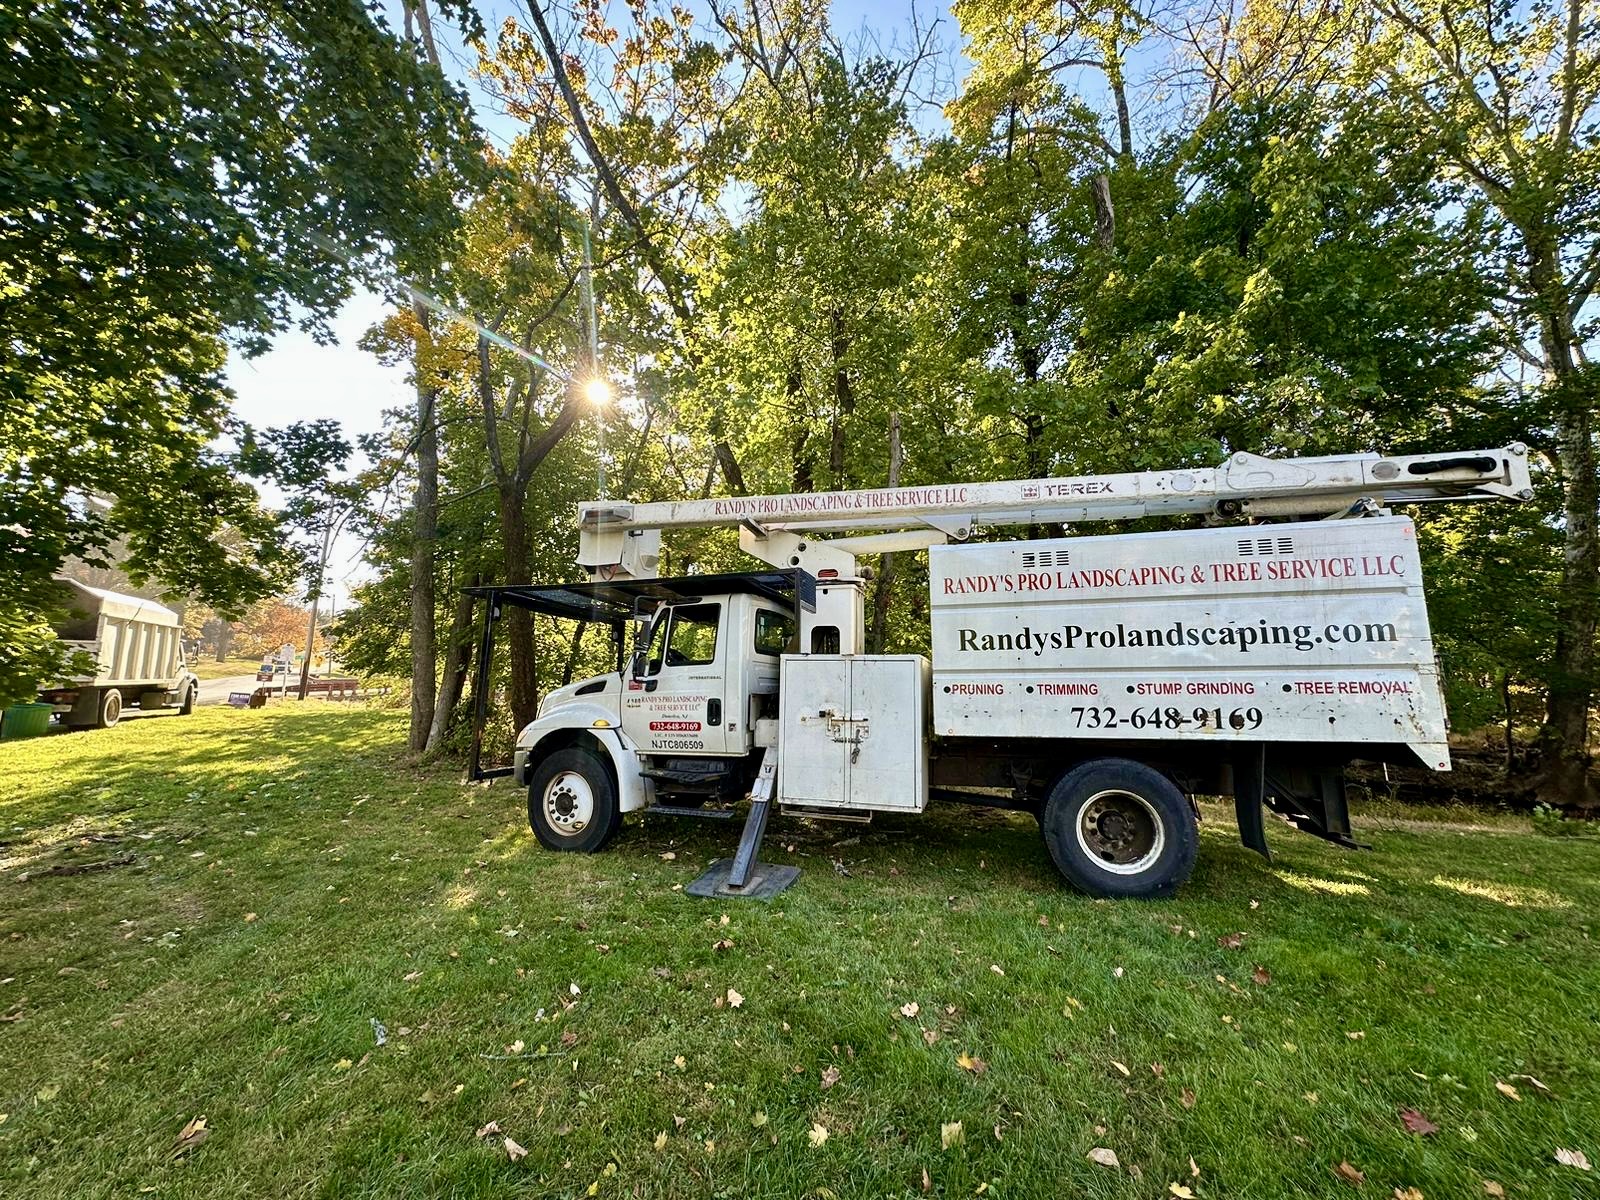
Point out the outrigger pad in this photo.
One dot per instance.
(766, 881)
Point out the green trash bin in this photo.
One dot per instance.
(24, 721)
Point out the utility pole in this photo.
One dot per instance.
(316, 597)
(598, 396)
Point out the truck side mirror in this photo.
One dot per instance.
(636, 668)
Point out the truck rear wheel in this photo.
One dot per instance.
(187, 706)
(1119, 829)
(572, 803)
(110, 711)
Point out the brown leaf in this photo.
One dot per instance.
(1157, 1070)
(489, 1130)
(569, 1038)
(1491, 1188)
(1532, 1080)
(1408, 1193)
(910, 1009)
(1102, 1156)
(930, 1036)
(1349, 1174)
(1124, 1070)
(515, 1152)
(970, 1062)
(1180, 1190)
(1572, 1158)
(927, 1180)
(1416, 1123)
(1232, 941)
(1261, 975)
(722, 944)
(1505, 1089)
(830, 1076)
(1194, 1167)
(734, 999)
(192, 1134)
(1187, 1097)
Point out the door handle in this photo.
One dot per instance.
(650, 684)
(713, 712)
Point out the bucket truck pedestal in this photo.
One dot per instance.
(742, 876)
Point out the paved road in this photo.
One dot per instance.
(215, 691)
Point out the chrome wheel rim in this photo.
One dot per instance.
(1120, 831)
(569, 803)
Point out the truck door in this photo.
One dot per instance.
(675, 699)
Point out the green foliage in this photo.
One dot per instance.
(175, 174)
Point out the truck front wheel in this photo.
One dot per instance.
(1119, 829)
(572, 803)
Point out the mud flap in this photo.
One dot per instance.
(1249, 796)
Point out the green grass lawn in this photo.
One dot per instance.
(290, 879)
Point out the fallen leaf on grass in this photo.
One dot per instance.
(569, 1038)
(1102, 1156)
(927, 1180)
(910, 1009)
(1182, 1191)
(249, 917)
(1572, 1158)
(722, 944)
(1187, 1096)
(515, 1152)
(1231, 941)
(1261, 975)
(995, 967)
(344, 1064)
(758, 1120)
(734, 999)
(1491, 1188)
(1355, 1035)
(47, 1093)
(830, 1076)
(970, 1062)
(1532, 1080)
(1416, 1123)
(411, 976)
(950, 1135)
(1505, 1089)
(190, 1136)
(669, 856)
(1408, 1193)
(489, 1130)
(1349, 1174)
(930, 1036)
(817, 1135)
(1125, 1072)
(516, 1047)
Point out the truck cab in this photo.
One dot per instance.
(683, 718)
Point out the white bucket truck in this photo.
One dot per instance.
(1097, 682)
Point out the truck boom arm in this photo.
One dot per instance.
(1244, 486)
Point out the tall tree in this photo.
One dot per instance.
(158, 194)
(1508, 94)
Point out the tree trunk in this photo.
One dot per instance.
(518, 621)
(424, 535)
(572, 653)
(884, 592)
(1564, 740)
(224, 641)
(457, 660)
(844, 402)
